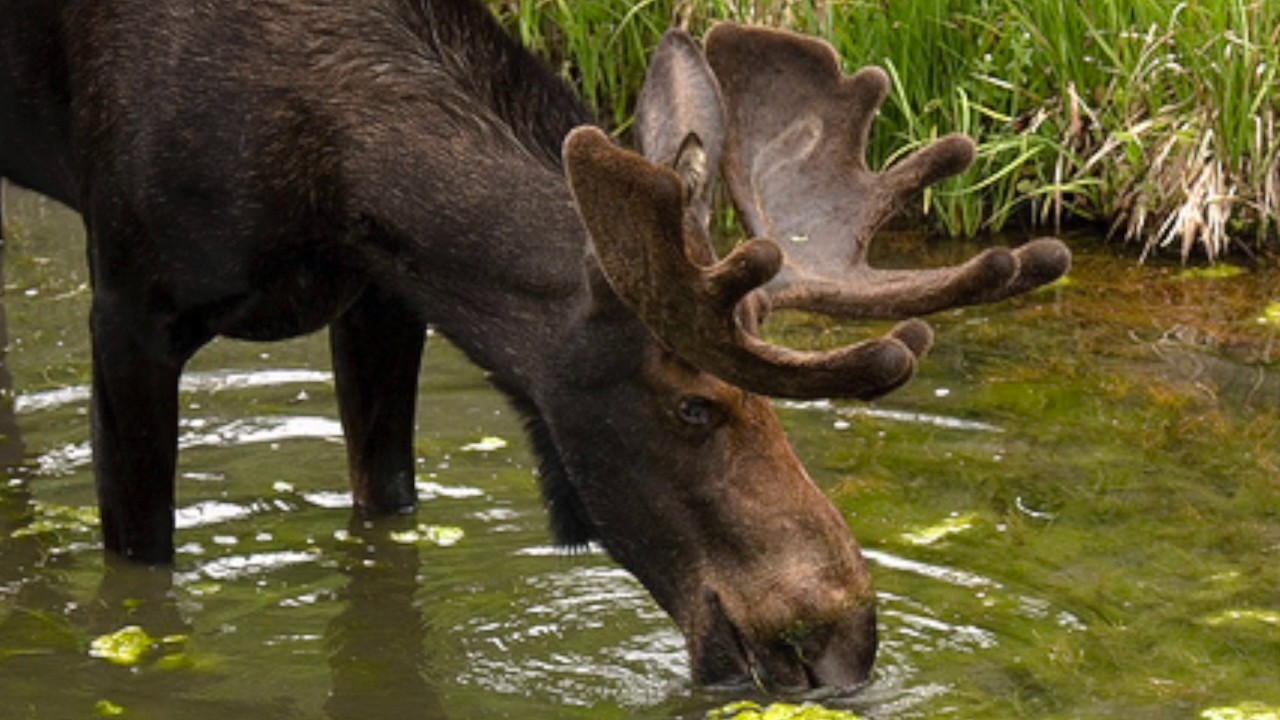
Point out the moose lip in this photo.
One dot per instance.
(763, 670)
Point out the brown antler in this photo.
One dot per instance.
(635, 212)
(795, 163)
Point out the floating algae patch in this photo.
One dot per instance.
(748, 710)
(106, 708)
(1270, 314)
(1065, 281)
(126, 646)
(131, 646)
(53, 518)
(938, 531)
(488, 443)
(441, 535)
(1243, 711)
(1244, 616)
(1221, 271)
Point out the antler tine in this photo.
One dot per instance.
(634, 211)
(794, 160)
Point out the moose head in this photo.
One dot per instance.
(706, 502)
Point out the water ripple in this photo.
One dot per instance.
(192, 382)
(569, 644)
(209, 512)
(948, 575)
(201, 432)
(235, 567)
(259, 430)
(948, 422)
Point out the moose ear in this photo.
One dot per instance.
(680, 119)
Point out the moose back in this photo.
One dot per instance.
(265, 169)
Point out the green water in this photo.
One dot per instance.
(1073, 512)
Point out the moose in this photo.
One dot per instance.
(264, 169)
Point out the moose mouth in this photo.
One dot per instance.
(828, 660)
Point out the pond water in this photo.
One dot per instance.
(1073, 512)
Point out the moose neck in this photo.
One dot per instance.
(472, 217)
(499, 270)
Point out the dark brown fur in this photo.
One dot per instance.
(264, 169)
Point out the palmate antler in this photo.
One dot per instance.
(635, 212)
(796, 137)
(792, 132)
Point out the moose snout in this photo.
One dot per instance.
(793, 639)
(839, 655)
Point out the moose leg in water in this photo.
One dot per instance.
(136, 366)
(377, 352)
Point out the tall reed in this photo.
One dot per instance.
(1155, 118)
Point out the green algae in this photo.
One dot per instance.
(50, 518)
(750, 710)
(1217, 271)
(956, 523)
(133, 647)
(106, 708)
(1244, 616)
(126, 646)
(424, 534)
(1243, 711)
(488, 443)
(1270, 314)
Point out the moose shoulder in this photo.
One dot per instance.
(264, 169)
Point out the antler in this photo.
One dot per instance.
(635, 212)
(792, 130)
(794, 160)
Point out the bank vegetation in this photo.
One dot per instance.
(1154, 120)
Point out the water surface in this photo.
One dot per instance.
(1074, 511)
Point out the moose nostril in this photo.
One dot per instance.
(840, 656)
(836, 667)
(812, 679)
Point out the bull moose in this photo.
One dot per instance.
(264, 169)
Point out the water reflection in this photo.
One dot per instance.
(11, 447)
(204, 433)
(15, 500)
(130, 594)
(377, 642)
(191, 382)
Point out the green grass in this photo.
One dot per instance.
(1152, 118)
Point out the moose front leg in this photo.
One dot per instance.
(377, 352)
(135, 432)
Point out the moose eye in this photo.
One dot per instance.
(696, 411)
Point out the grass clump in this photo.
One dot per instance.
(1153, 118)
